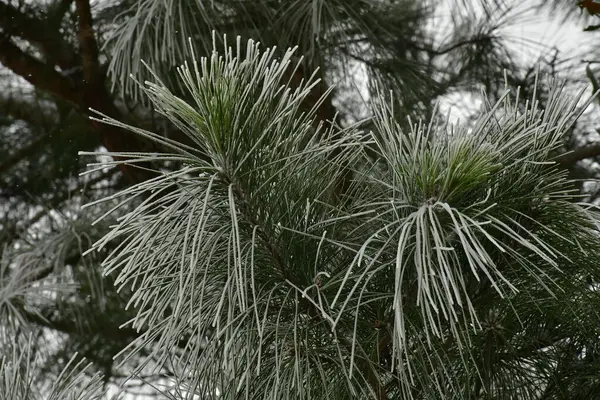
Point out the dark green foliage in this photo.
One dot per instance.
(260, 187)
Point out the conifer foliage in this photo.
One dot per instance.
(442, 271)
(266, 199)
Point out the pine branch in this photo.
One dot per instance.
(93, 94)
(41, 75)
(97, 97)
(39, 33)
(89, 46)
(450, 48)
(45, 77)
(582, 153)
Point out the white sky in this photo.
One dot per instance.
(529, 34)
(535, 34)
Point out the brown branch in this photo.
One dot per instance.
(97, 97)
(89, 47)
(116, 334)
(326, 111)
(39, 33)
(41, 75)
(476, 40)
(92, 95)
(571, 157)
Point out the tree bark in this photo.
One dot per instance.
(91, 93)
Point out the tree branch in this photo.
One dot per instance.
(476, 40)
(571, 157)
(39, 33)
(125, 335)
(93, 95)
(324, 112)
(41, 75)
(97, 97)
(592, 28)
(89, 47)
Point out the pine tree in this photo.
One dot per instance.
(251, 235)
